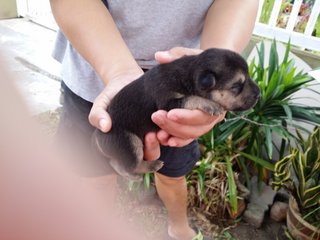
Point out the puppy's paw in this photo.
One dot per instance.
(212, 109)
(148, 166)
(154, 166)
(206, 105)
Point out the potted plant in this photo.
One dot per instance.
(299, 173)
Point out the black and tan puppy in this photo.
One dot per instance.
(215, 81)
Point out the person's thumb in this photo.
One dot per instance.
(175, 53)
(98, 116)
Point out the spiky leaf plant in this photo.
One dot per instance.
(275, 115)
(213, 184)
(299, 173)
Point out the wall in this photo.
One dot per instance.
(8, 9)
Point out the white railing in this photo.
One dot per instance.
(41, 13)
(37, 11)
(284, 22)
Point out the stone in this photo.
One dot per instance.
(264, 197)
(254, 215)
(243, 191)
(279, 211)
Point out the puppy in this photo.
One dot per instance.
(215, 81)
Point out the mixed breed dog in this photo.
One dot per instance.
(215, 81)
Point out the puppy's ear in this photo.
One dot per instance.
(206, 81)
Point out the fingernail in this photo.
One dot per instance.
(157, 118)
(151, 139)
(163, 55)
(102, 124)
(172, 143)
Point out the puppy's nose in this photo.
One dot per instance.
(255, 91)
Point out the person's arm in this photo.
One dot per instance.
(228, 25)
(91, 30)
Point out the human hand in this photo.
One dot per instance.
(100, 118)
(175, 53)
(179, 127)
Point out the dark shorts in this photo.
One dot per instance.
(74, 132)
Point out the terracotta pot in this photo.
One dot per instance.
(297, 226)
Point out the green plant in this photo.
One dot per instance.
(299, 173)
(275, 114)
(226, 235)
(207, 184)
(213, 182)
(245, 142)
(207, 187)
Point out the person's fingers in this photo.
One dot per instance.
(191, 126)
(164, 57)
(151, 147)
(163, 137)
(178, 142)
(179, 130)
(194, 117)
(173, 141)
(220, 118)
(191, 117)
(167, 140)
(98, 116)
(175, 53)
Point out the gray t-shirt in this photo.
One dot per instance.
(146, 27)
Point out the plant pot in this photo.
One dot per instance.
(297, 226)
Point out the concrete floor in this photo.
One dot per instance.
(26, 48)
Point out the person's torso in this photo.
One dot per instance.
(146, 27)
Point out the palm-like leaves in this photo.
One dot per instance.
(276, 113)
(299, 172)
(250, 135)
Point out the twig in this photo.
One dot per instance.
(251, 121)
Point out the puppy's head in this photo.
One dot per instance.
(222, 76)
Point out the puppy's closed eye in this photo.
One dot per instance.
(237, 87)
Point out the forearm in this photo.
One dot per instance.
(91, 30)
(229, 24)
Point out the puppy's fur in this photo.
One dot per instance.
(215, 81)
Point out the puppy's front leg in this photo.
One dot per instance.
(206, 105)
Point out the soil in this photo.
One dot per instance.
(146, 209)
(146, 213)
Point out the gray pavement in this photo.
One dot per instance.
(26, 48)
